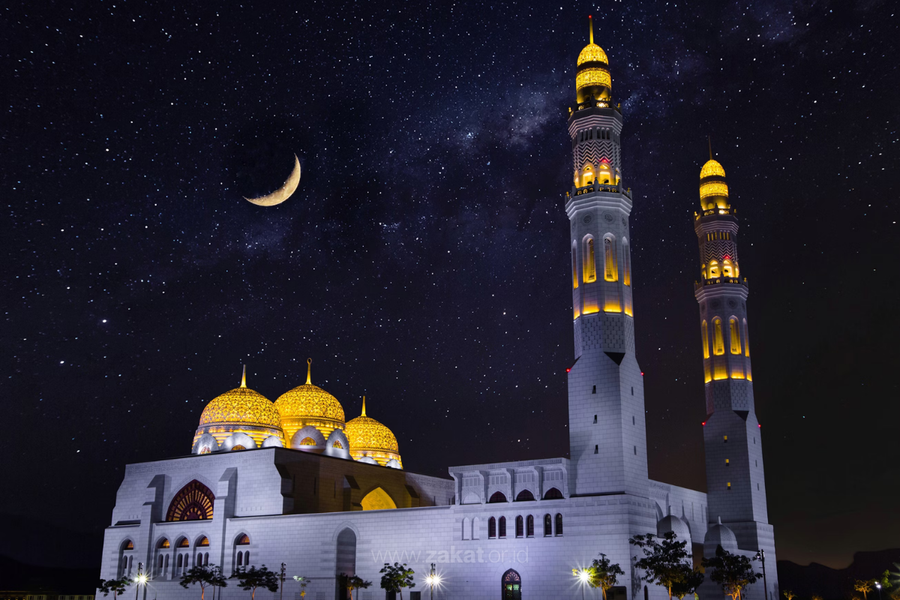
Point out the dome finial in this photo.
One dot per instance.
(364, 406)
(709, 139)
(308, 371)
(591, 22)
(244, 377)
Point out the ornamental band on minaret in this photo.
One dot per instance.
(607, 435)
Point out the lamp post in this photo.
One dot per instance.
(583, 577)
(139, 580)
(761, 556)
(432, 580)
(878, 585)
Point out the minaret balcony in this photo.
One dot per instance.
(714, 211)
(721, 280)
(601, 187)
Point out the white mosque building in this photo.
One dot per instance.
(294, 482)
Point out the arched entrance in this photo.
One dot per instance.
(512, 586)
(345, 563)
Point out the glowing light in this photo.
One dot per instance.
(703, 423)
(584, 576)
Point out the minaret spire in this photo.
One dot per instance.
(709, 139)
(591, 22)
(244, 377)
(308, 371)
(364, 406)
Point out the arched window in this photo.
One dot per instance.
(520, 527)
(492, 528)
(704, 333)
(184, 543)
(497, 497)
(727, 271)
(163, 543)
(307, 441)
(713, 269)
(511, 586)
(244, 540)
(159, 565)
(529, 526)
(746, 339)
(476, 525)
(194, 501)
(588, 261)
(735, 335)
(548, 526)
(718, 343)
(166, 566)
(501, 527)
(204, 541)
(240, 559)
(553, 494)
(524, 495)
(610, 269)
(179, 562)
(574, 267)
(559, 527)
(627, 256)
(247, 558)
(465, 528)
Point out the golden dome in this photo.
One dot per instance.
(241, 406)
(712, 168)
(309, 404)
(369, 438)
(592, 77)
(592, 53)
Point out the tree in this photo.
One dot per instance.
(395, 578)
(303, 581)
(116, 586)
(863, 586)
(688, 583)
(816, 597)
(602, 573)
(662, 562)
(206, 576)
(789, 594)
(353, 582)
(256, 578)
(733, 572)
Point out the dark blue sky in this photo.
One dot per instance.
(423, 260)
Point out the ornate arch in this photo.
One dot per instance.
(193, 502)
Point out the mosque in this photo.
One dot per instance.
(294, 482)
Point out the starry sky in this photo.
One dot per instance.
(423, 260)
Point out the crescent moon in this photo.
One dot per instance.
(282, 193)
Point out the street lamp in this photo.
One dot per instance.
(432, 580)
(878, 585)
(761, 556)
(584, 576)
(140, 580)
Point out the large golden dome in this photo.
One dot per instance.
(370, 439)
(240, 410)
(309, 404)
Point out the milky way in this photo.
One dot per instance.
(423, 260)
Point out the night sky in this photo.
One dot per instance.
(423, 261)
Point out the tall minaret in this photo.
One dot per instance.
(607, 434)
(735, 481)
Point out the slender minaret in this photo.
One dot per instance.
(736, 488)
(607, 434)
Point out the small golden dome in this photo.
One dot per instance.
(592, 53)
(712, 168)
(369, 438)
(241, 406)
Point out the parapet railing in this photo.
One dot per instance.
(600, 187)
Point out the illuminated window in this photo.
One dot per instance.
(588, 178)
(238, 447)
(590, 267)
(725, 439)
(337, 445)
(548, 526)
(610, 270)
(244, 540)
(492, 527)
(184, 543)
(164, 543)
(718, 343)
(735, 335)
(520, 527)
(529, 526)
(574, 267)
(746, 339)
(501, 527)
(729, 485)
(559, 527)
(194, 501)
(713, 269)
(129, 545)
(203, 542)
(307, 441)
(727, 269)
(727, 462)
(627, 256)
(603, 174)
(704, 334)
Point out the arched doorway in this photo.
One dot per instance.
(345, 563)
(512, 586)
